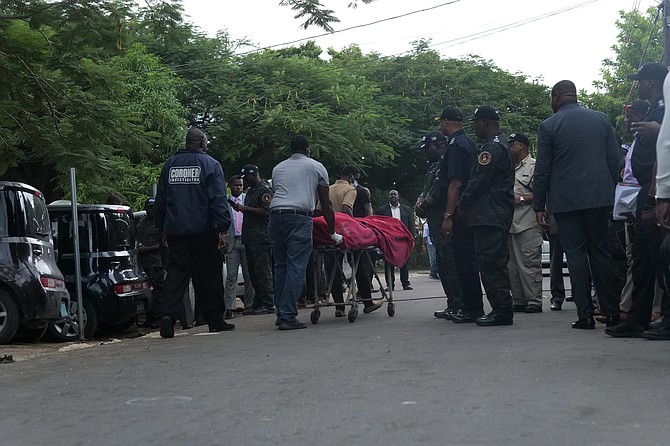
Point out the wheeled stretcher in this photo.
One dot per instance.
(354, 257)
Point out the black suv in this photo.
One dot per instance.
(32, 289)
(115, 289)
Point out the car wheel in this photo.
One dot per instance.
(67, 330)
(9, 317)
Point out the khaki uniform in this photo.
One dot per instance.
(525, 242)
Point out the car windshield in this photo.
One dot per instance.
(23, 214)
(98, 231)
(113, 231)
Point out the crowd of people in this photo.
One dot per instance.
(487, 211)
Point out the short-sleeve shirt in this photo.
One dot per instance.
(458, 160)
(342, 193)
(295, 181)
(255, 227)
(149, 235)
(362, 199)
(524, 215)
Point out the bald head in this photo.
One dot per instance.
(563, 92)
(196, 139)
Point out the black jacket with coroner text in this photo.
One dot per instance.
(191, 195)
(488, 200)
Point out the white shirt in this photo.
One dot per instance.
(234, 216)
(395, 211)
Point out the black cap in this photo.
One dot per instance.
(523, 139)
(639, 105)
(650, 71)
(149, 202)
(451, 113)
(431, 137)
(485, 112)
(248, 169)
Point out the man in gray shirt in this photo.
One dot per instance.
(297, 182)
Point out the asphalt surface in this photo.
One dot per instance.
(407, 379)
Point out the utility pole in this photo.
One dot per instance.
(666, 32)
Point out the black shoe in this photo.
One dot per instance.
(556, 306)
(661, 333)
(626, 329)
(407, 287)
(444, 314)
(585, 324)
(612, 321)
(518, 308)
(569, 299)
(463, 317)
(223, 326)
(492, 319)
(292, 325)
(533, 309)
(186, 327)
(247, 311)
(264, 310)
(167, 327)
(229, 314)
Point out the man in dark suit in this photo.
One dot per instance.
(575, 174)
(397, 210)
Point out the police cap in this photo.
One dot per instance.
(651, 71)
(249, 169)
(431, 137)
(523, 139)
(485, 112)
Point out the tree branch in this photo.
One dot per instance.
(37, 11)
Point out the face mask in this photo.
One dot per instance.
(355, 183)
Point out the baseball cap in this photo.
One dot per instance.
(485, 112)
(451, 113)
(248, 169)
(149, 202)
(651, 71)
(431, 137)
(523, 139)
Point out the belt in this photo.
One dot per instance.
(291, 212)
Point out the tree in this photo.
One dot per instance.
(315, 14)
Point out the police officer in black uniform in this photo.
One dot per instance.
(488, 206)
(431, 205)
(455, 170)
(192, 212)
(256, 238)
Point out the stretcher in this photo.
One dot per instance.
(354, 257)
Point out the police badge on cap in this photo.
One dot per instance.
(249, 169)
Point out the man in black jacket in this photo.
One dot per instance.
(402, 212)
(646, 242)
(576, 170)
(192, 212)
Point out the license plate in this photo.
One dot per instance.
(63, 310)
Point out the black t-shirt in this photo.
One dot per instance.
(458, 159)
(362, 198)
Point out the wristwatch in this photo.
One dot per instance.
(447, 215)
(522, 200)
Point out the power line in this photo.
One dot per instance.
(350, 28)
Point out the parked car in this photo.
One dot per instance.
(32, 288)
(114, 288)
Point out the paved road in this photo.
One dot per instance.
(410, 379)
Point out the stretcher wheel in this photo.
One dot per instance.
(314, 316)
(353, 313)
(390, 309)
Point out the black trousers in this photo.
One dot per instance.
(647, 266)
(492, 252)
(556, 269)
(363, 277)
(259, 262)
(584, 236)
(446, 264)
(197, 257)
(390, 275)
(466, 266)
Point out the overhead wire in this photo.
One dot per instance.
(351, 27)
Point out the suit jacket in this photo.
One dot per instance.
(406, 216)
(577, 164)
